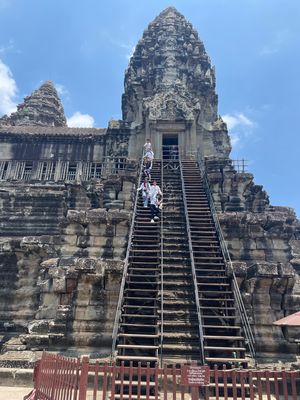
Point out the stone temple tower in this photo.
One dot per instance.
(170, 90)
(81, 264)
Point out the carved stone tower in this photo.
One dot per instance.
(42, 108)
(170, 90)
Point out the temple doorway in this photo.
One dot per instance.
(170, 146)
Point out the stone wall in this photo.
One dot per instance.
(264, 245)
(61, 271)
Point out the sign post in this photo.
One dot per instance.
(195, 377)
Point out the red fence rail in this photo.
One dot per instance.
(61, 378)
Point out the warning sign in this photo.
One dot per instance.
(193, 375)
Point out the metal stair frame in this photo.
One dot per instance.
(250, 340)
(201, 335)
(161, 269)
(126, 262)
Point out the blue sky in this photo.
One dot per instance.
(84, 47)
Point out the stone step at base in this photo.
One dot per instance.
(16, 377)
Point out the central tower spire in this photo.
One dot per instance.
(169, 58)
(170, 79)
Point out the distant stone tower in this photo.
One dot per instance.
(42, 108)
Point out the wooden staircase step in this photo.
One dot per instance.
(217, 284)
(140, 298)
(137, 346)
(146, 316)
(127, 325)
(138, 335)
(222, 337)
(224, 360)
(219, 299)
(216, 292)
(224, 348)
(234, 327)
(218, 308)
(205, 316)
(139, 306)
(142, 276)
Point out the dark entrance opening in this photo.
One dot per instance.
(170, 147)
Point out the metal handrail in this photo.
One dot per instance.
(161, 269)
(119, 306)
(193, 267)
(236, 291)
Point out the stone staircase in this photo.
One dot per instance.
(138, 334)
(223, 340)
(159, 311)
(181, 340)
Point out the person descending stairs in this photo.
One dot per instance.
(138, 329)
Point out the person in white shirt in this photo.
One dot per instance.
(147, 146)
(154, 191)
(145, 188)
(150, 155)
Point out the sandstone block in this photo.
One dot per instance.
(93, 252)
(97, 229)
(98, 241)
(263, 269)
(70, 240)
(41, 326)
(74, 229)
(59, 285)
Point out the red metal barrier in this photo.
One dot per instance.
(57, 378)
(61, 378)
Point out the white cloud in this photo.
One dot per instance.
(8, 90)
(130, 52)
(78, 120)
(129, 48)
(240, 128)
(233, 120)
(280, 40)
(61, 89)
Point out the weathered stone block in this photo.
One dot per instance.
(93, 252)
(59, 285)
(261, 299)
(263, 269)
(70, 240)
(98, 241)
(83, 241)
(74, 229)
(122, 229)
(38, 326)
(67, 250)
(89, 313)
(97, 229)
